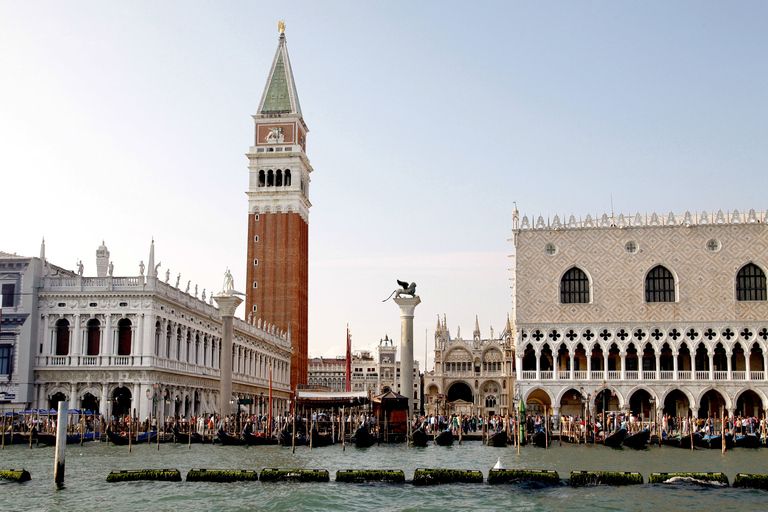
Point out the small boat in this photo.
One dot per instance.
(684, 441)
(637, 440)
(540, 439)
(182, 438)
(362, 438)
(419, 438)
(444, 438)
(50, 439)
(284, 439)
(258, 439)
(228, 440)
(498, 440)
(747, 441)
(615, 439)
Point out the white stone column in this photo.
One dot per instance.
(674, 366)
(407, 307)
(555, 366)
(711, 366)
(623, 359)
(572, 356)
(538, 364)
(227, 305)
(729, 366)
(605, 365)
(747, 365)
(658, 365)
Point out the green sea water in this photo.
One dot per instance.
(87, 467)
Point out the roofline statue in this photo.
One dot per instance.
(405, 289)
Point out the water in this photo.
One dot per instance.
(88, 466)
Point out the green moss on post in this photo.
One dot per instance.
(131, 475)
(659, 478)
(393, 476)
(294, 475)
(447, 476)
(581, 478)
(16, 475)
(221, 475)
(510, 476)
(751, 481)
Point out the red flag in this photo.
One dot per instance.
(348, 386)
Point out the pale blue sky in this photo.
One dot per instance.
(124, 121)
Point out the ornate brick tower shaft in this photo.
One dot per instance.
(278, 213)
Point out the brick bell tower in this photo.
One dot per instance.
(278, 213)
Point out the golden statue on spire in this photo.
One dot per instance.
(281, 27)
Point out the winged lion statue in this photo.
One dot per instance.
(405, 288)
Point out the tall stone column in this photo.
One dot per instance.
(228, 301)
(407, 307)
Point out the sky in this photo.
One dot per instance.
(128, 121)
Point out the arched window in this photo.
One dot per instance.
(158, 337)
(262, 179)
(94, 337)
(62, 338)
(287, 178)
(750, 283)
(574, 287)
(124, 337)
(279, 178)
(659, 285)
(270, 178)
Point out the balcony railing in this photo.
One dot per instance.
(649, 375)
(614, 375)
(740, 375)
(564, 374)
(598, 375)
(721, 375)
(632, 374)
(702, 375)
(528, 375)
(667, 375)
(685, 375)
(757, 375)
(548, 375)
(580, 375)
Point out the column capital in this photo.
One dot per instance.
(407, 305)
(227, 303)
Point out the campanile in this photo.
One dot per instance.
(278, 213)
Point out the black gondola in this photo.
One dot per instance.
(638, 440)
(498, 439)
(615, 439)
(319, 439)
(540, 439)
(115, 438)
(362, 438)
(419, 438)
(228, 440)
(444, 438)
(747, 441)
(258, 439)
(710, 441)
(182, 438)
(685, 441)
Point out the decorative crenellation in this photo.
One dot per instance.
(639, 220)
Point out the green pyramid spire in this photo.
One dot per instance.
(280, 95)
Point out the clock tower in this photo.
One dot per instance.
(278, 213)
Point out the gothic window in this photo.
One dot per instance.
(124, 337)
(62, 338)
(659, 285)
(287, 178)
(270, 178)
(279, 178)
(574, 287)
(94, 337)
(750, 283)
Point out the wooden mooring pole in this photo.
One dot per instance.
(61, 444)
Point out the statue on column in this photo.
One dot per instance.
(405, 288)
(141, 268)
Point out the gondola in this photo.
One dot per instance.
(228, 440)
(539, 439)
(284, 439)
(319, 439)
(444, 438)
(182, 438)
(50, 439)
(747, 441)
(685, 441)
(498, 440)
(258, 439)
(362, 438)
(637, 440)
(615, 439)
(419, 438)
(710, 441)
